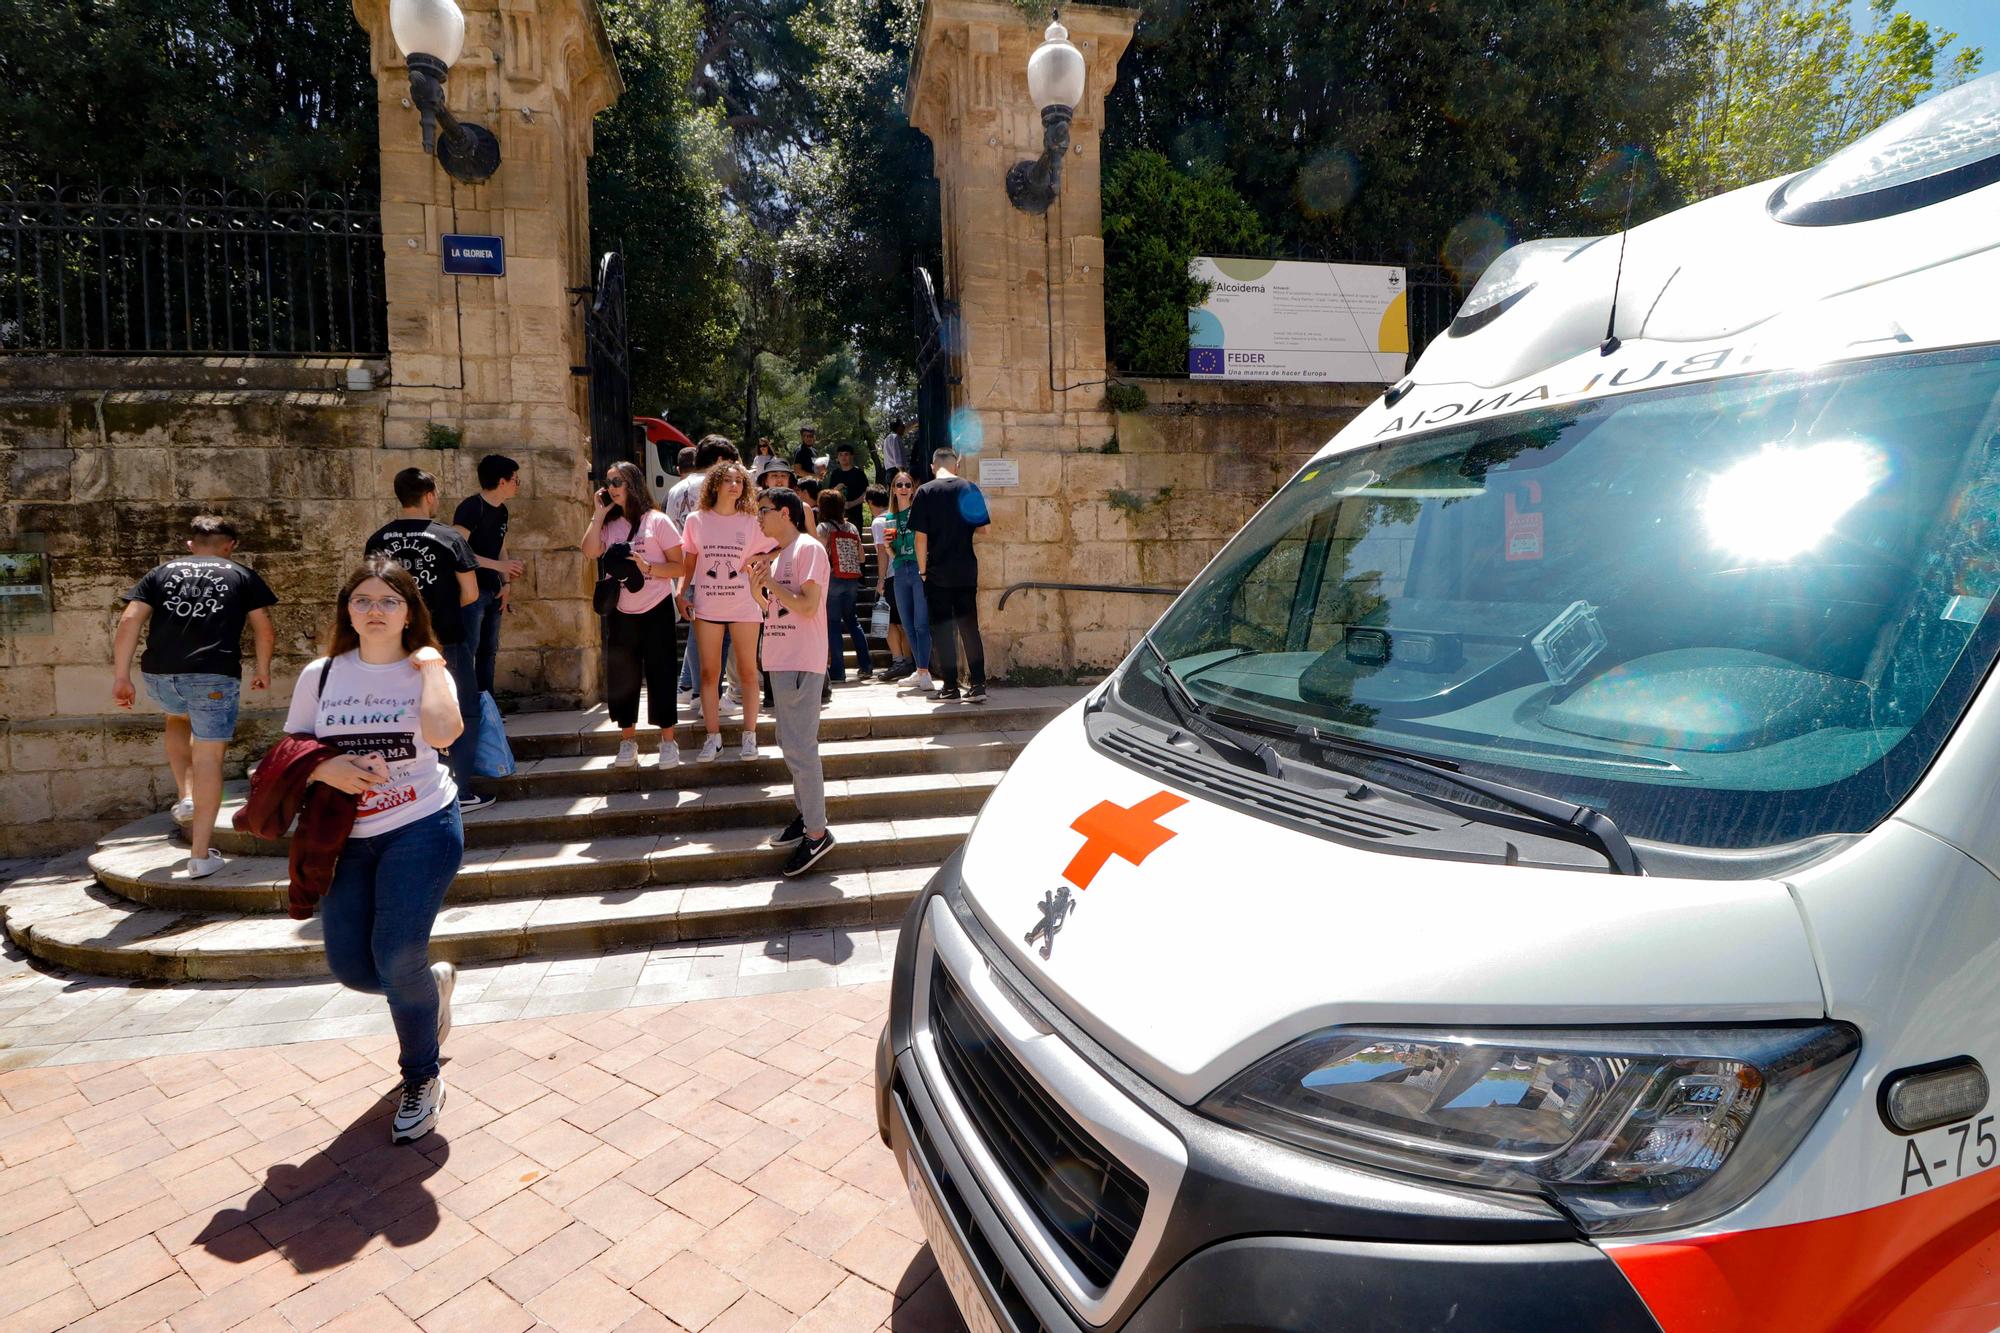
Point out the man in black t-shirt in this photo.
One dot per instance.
(194, 608)
(944, 515)
(444, 567)
(482, 520)
(851, 479)
(806, 456)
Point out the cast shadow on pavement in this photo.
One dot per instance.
(320, 1212)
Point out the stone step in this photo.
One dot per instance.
(593, 774)
(69, 921)
(668, 805)
(141, 868)
(858, 712)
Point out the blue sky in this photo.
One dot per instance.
(1977, 22)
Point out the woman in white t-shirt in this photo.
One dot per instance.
(384, 698)
(717, 544)
(639, 645)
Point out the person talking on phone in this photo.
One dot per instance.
(385, 699)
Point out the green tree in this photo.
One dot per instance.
(1788, 81)
(274, 94)
(1156, 220)
(1381, 130)
(656, 196)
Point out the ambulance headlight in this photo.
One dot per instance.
(1627, 1131)
(1932, 152)
(1512, 276)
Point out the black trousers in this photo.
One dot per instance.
(641, 651)
(955, 627)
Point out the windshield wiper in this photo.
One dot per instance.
(1245, 751)
(1582, 825)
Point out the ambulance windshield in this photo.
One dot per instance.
(1730, 615)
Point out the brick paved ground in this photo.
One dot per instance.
(708, 1165)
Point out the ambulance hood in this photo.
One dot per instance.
(1234, 936)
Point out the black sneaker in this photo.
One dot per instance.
(472, 800)
(807, 854)
(863, 675)
(898, 670)
(794, 832)
(976, 694)
(949, 694)
(825, 695)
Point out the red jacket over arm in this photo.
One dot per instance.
(282, 790)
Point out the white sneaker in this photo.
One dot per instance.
(921, 683)
(748, 749)
(184, 810)
(628, 755)
(417, 1112)
(709, 749)
(670, 753)
(729, 703)
(446, 977)
(206, 866)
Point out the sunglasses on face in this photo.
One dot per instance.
(904, 486)
(388, 606)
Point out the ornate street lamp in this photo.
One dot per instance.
(1055, 82)
(431, 34)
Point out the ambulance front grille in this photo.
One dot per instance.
(1088, 1201)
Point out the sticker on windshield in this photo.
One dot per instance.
(1524, 528)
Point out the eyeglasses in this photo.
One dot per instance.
(388, 606)
(765, 509)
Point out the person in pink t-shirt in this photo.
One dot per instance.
(790, 583)
(719, 541)
(633, 540)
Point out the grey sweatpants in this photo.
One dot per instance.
(795, 710)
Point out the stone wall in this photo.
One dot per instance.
(108, 478)
(1188, 470)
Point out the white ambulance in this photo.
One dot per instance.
(1542, 874)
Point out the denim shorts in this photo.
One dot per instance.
(208, 702)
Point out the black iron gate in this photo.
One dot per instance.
(610, 366)
(933, 319)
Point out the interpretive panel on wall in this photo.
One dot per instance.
(1281, 319)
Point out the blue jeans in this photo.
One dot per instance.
(841, 596)
(482, 636)
(378, 916)
(209, 702)
(464, 750)
(915, 611)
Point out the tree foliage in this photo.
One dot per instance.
(1789, 81)
(1157, 218)
(274, 94)
(656, 195)
(1380, 130)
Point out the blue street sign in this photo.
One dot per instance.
(474, 256)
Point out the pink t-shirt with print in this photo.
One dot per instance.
(793, 642)
(658, 538)
(718, 544)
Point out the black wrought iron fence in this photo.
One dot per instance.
(1434, 296)
(189, 271)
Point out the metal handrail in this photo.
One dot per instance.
(1013, 588)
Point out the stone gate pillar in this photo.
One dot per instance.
(491, 356)
(1031, 349)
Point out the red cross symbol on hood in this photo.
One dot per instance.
(1131, 834)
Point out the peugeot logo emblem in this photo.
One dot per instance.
(1056, 907)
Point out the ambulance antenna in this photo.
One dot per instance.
(1611, 343)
